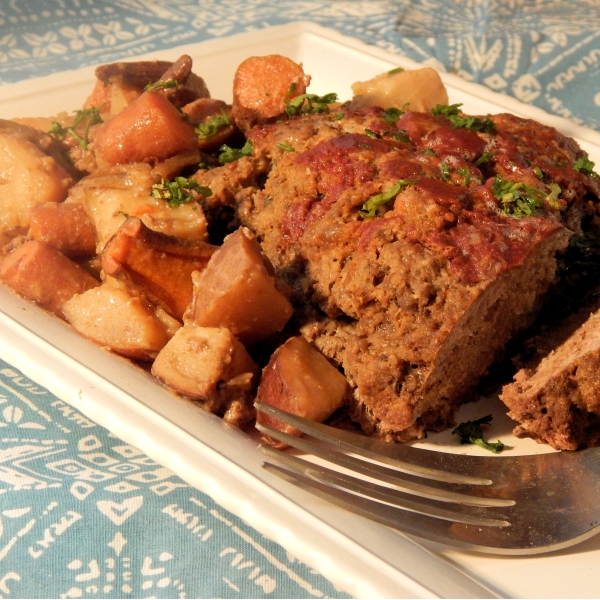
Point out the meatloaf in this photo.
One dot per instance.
(555, 397)
(415, 244)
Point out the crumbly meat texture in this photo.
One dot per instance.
(412, 303)
(555, 397)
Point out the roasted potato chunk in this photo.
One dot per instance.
(419, 90)
(236, 291)
(301, 381)
(210, 365)
(118, 320)
(28, 177)
(110, 195)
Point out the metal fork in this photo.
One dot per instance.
(500, 505)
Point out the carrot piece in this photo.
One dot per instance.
(65, 226)
(261, 86)
(43, 275)
(150, 128)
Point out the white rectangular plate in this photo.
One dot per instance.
(360, 557)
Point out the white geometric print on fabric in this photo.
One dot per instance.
(97, 518)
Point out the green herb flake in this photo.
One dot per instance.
(285, 147)
(212, 126)
(369, 208)
(452, 113)
(85, 118)
(522, 200)
(371, 134)
(429, 152)
(179, 191)
(445, 169)
(484, 158)
(160, 85)
(392, 115)
(400, 136)
(470, 433)
(538, 173)
(466, 175)
(586, 166)
(228, 154)
(309, 103)
(396, 70)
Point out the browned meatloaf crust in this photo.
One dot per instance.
(556, 397)
(413, 303)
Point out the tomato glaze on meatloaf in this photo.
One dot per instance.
(409, 264)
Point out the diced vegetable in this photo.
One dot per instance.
(236, 291)
(118, 320)
(162, 265)
(110, 195)
(419, 90)
(150, 128)
(27, 177)
(207, 364)
(43, 275)
(65, 226)
(301, 381)
(261, 86)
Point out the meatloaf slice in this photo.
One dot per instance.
(556, 400)
(413, 299)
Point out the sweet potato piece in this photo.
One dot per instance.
(301, 381)
(118, 320)
(261, 86)
(162, 265)
(236, 291)
(419, 89)
(28, 177)
(65, 226)
(150, 128)
(207, 364)
(43, 275)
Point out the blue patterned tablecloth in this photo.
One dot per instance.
(84, 515)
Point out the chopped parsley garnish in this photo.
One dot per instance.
(522, 200)
(179, 191)
(212, 126)
(285, 147)
(369, 208)
(392, 115)
(538, 172)
(445, 169)
(484, 158)
(429, 152)
(309, 103)
(160, 85)
(452, 113)
(400, 135)
(83, 118)
(586, 166)
(229, 154)
(470, 433)
(466, 175)
(396, 70)
(371, 134)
